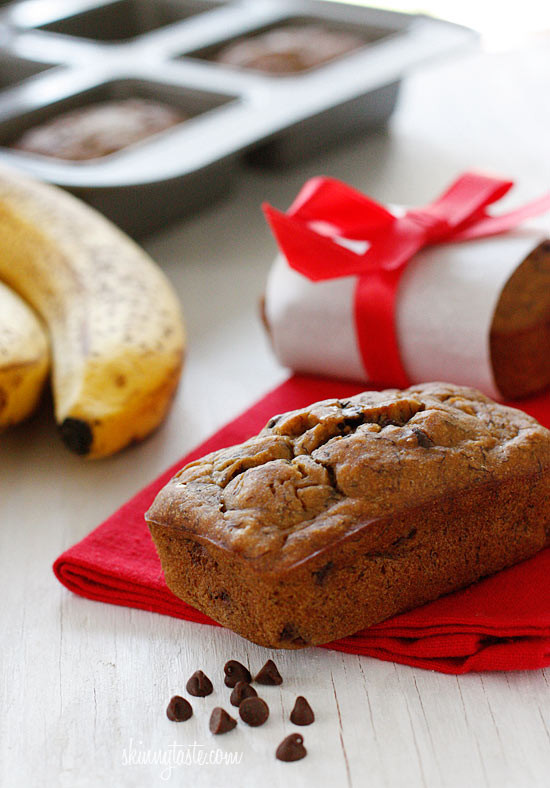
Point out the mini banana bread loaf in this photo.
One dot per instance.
(98, 129)
(338, 516)
(289, 49)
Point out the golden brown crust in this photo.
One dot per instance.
(313, 475)
(342, 514)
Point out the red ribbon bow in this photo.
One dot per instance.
(318, 232)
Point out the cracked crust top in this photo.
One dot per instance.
(314, 476)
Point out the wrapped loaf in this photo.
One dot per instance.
(476, 313)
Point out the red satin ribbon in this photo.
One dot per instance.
(327, 211)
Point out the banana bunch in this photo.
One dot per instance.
(113, 320)
(24, 359)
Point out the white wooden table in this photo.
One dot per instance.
(85, 685)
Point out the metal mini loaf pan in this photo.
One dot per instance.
(63, 54)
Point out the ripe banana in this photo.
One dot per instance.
(114, 321)
(24, 359)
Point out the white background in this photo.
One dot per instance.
(83, 681)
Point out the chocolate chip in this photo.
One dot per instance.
(291, 749)
(179, 709)
(423, 439)
(269, 674)
(254, 711)
(354, 418)
(288, 632)
(221, 721)
(199, 685)
(302, 713)
(234, 672)
(222, 595)
(241, 692)
(198, 553)
(320, 574)
(272, 422)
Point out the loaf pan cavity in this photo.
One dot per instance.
(14, 70)
(190, 101)
(368, 34)
(126, 19)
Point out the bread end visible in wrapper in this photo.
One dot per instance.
(476, 313)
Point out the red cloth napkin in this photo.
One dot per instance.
(500, 623)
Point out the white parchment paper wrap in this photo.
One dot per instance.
(445, 307)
